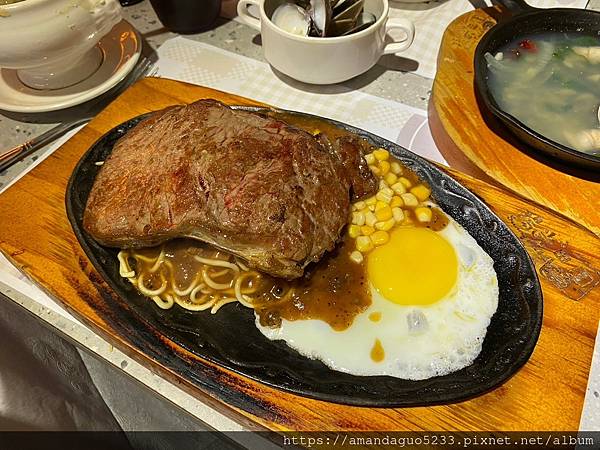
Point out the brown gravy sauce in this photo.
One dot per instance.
(377, 352)
(375, 316)
(334, 290)
(438, 222)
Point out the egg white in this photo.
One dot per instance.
(419, 342)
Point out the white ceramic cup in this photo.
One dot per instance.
(52, 43)
(328, 60)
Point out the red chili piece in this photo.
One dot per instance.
(528, 45)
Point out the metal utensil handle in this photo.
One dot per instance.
(16, 154)
(515, 6)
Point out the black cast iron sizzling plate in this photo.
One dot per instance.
(529, 20)
(230, 339)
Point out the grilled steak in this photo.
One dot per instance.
(255, 186)
(350, 151)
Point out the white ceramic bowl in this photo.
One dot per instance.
(326, 60)
(52, 43)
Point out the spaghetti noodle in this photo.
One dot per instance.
(194, 277)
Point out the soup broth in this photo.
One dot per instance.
(551, 83)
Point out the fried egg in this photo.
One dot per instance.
(433, 296)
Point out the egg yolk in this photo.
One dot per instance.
(417, 266)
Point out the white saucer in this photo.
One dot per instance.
(121, 48)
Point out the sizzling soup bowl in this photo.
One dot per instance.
(52, 43)
(516, 40)
(551, 83)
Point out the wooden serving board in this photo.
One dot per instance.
(478, 144)
(546, 394)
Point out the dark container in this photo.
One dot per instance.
(526, 19)
(187, 16)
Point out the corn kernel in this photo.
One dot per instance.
(396, 202)
(421, 191)
(370, 219)
(371, 200)
(354, 231)
(398, 188)
(371, 207)
(381, 154)
(375, 170)
(364, 244)
(405, 181)
(370, 158)
(382, 184)
(356, 256)
(358, 218)
(359, 205)
(366, 230)
(384, 166)
(390, 179)
(380, 237)
(383, 196)
(385, 225)
(396, 168)
(423, 214)
(380, 205)
(383, 213)
(409, 200)
(398, 214)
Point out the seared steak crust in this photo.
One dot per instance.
(254, 186)
(350, 150)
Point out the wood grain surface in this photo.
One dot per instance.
(546, 394)
(479, 145)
